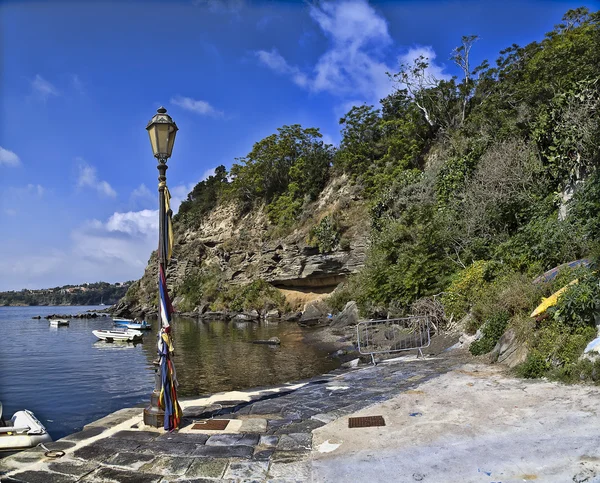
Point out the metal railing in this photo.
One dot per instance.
(393, 335)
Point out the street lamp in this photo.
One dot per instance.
(162, 131)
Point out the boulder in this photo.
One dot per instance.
(272, 314)
(348, 316)
(293, 317)
(215, 315)
(315, 313)
(509, 351)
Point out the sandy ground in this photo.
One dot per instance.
(473, 424)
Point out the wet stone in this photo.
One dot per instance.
(329, 417)
(194, 438)
(110, 475)
(267, 407)
(289, 456)
(115, 418)
(224, 451)
(85, 434)
(263, 454)
(247, 470)
(306, 426)
(295, 442)
(268, 440)
(275, 424)
(206, 468)
(136, 435)
(168, 448)
(117, 444)
(168, 465)
(233, 440)
(40, 477)
(131, 461)
(55, 446)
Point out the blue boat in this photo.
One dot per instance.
(132, 324)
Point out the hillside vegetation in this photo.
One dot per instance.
(473, 186)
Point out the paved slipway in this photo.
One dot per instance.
(447, 420)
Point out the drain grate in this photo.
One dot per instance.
(366, 422)
(211, 425)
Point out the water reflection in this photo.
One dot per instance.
(213, 356)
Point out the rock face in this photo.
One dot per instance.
(242, 248)
(509, 351)
(348, 316)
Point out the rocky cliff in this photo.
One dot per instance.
(242, 248)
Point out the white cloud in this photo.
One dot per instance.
(141, 191)
(77, 84)
(43, 88)
(88, 178)
(274, 61)
(354, 65)
(36, 188)
(197, 106)
(8, 158)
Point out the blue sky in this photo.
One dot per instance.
(81, 79)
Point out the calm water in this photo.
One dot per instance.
(68, 378)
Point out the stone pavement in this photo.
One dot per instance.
(268, 436)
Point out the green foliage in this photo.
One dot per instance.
(579, 304)
(203, 198)
(467, 287)
(257, 295)
(326, 234)
(86, 294)
(492, 330)
(283, 168)
(535, 366)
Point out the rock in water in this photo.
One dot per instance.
(348, 316)
(314, 313)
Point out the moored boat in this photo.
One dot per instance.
(138, 326)
(58, 322)
(123, 322)
(22, 431)
(113, 335)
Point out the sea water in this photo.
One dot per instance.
(69, 378)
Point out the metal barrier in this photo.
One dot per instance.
(393, 335)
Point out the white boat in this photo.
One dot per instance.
(138, 325)
(112, 335)
(58, 322)
(22, 431)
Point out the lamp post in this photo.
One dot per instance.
(162, 131)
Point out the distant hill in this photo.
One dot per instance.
(86, 294)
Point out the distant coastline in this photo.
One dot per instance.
(100, 293)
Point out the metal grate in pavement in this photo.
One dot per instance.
(211, 425)
(366, 422)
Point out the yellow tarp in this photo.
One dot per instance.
(551, 301)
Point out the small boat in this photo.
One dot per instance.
(22, 431)
(58, 322)
(112, 335)
(138, 325)
(551, 274)
(123, 322)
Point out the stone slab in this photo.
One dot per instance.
(254, 425)
(295, 442)
(136, 435)
(206, 468)
(129, 460)
(111, 475)
(233, 440)
(224, 451)
(268, 440)
(190, 438)
(247, 470)
(168, 448)
(289, 456)
(88, 433)
(116, 418)
(168, 465)
(297, 471)
(306, 426)
(72, 467)
(93, 452)
(39, 477)
(262, 454)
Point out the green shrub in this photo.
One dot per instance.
(535, 366)
(326, 234)
(492, 330)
